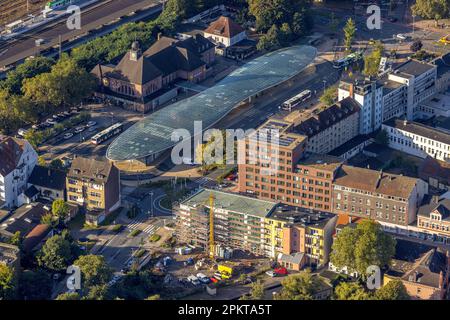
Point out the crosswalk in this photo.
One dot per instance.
(205, 182)
(138, 223)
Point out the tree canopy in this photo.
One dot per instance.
(431, 9)
(94, 270)
(301, 286)
(393, 290)
(351, 291)
(57, 253)
(363, 246)
(349, 33)
(7, 282)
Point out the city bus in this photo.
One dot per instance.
(344, 62)
(296, 100)
(107, 133)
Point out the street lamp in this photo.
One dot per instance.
(151, 203)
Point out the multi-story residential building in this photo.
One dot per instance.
(94, 185)
(423, 270)
(433, 219)
(394, 98)
(239, 221)
(302, 231)
(299, 178)
(329, 128)
(16, 165)
(50, 182)
(390, 199)
(142, 81)
(418, 139)
(420, 79)
(369, 94)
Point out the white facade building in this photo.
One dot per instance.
(420, 80)
(17, 161)
(417, 139)
(225, 32)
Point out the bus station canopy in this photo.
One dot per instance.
(152, 134)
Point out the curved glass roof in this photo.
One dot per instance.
(153, 133)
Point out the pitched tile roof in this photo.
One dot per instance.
(375, 181)
(327, 118)
(225, 27)
(90, 169)
(442, 206)
(48, 178)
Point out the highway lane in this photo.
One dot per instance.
(91, 18)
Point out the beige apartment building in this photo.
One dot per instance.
(329, 128)
(94, 185)
(390, 199)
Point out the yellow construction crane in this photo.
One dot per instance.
(211, 225)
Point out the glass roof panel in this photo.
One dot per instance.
(153, 134)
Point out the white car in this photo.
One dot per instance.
(68, 135)
(271, 274)
(203, 278)
(79, 129)
(91, 123)
(401, 36)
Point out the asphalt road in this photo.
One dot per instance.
(91, 18)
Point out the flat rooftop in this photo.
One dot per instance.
(153, 134)
(231, 202)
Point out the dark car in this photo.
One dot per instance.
(392, 19)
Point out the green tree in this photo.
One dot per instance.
(8, 284)
(29, 69)
(68, 296)
(301, 286)
(60, 208)
(57, 253)
(154, 297)
(393, 290)
(257, 291)
(35, 285)
(35, 138)
(349, 33)
(363, 246)
(372, 61)
(97, 292)
(16, 239)
(351, 291)
(271, 40)
(94, 270)
(431, 9)
(56, 164)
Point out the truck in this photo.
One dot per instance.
(225, 270)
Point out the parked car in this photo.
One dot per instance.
(79, 129)
(203, 278)
(91, 123)
(392, 19)
(68, 135)
(194, 280)
(401, 36)
(270, 273)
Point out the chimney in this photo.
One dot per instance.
(351, 90)
(380, 176)
(159, 35)
(350, 219)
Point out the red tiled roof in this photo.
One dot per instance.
(225, 27)
(35, 236)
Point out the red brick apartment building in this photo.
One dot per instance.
(325, 183)
(302, 179)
